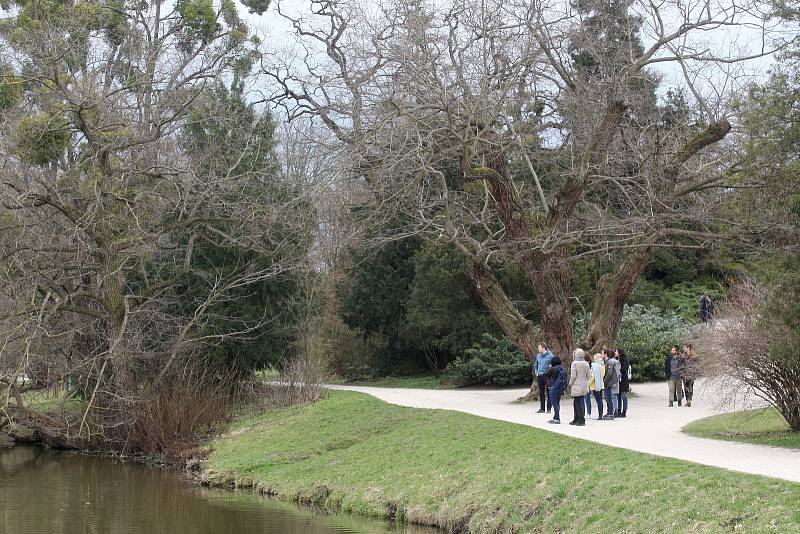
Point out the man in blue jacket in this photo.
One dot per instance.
(540, 368)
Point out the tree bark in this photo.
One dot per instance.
(613, 289)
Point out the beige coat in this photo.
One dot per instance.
(578, 379)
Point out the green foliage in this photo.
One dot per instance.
(257, 6)
(41, 138)
(199, 21)
(10, 89)
(646, 334)
(493, 362)
(782, 307)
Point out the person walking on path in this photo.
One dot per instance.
(611, 384)
(557, 378)
(596, 383)
(578, 386)
(667, 366)
(690, 370)
(675, 378)
(541, 369)
(624, 382)
(588, 397)
(706, 308)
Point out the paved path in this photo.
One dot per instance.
(650, 427)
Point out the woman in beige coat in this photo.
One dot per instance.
(578, 386)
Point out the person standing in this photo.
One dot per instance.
(690, 370)
(588, 397)
(667, 366)
(624, 382)
(598, 372)
(706, 308)
(675, 380)
(557, 378)
(541, 368)
(610, 384)
(578, 386)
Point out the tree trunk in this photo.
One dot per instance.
(552, 288)
(613, 289)
(522, 332)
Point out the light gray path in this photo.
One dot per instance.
(650, 427)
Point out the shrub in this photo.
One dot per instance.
(491, 361)
(646, 333)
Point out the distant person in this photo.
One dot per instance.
(668, 364)
(588, 398)
(690, 371)
(706, 308)
(596, 383)
(541, 368)
(610, 384)
(624, 382)
(578, 386)
(557, 378)
(674, 378)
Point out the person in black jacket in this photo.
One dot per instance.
(624, 382)
(557, 378)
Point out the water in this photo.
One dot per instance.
(47, 492)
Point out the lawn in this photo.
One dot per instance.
(423, 381)
(762, 427)
(357, 454)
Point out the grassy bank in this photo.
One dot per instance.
(762, 427)
(357, 454)
(408, 381)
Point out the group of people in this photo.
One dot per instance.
(681, 369)
(604, 376)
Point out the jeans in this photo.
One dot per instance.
(611, 402)
(541, 381)
(675, 389)
(598, 398)
(688, 388)
(555, 401)
(622, 401)
(579, 403)
(588, 401)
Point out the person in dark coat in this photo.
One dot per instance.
(557, 378)
(624, 382)
(706, 308)
(668, 367)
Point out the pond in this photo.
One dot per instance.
(49, 492)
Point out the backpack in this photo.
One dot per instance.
(562, 379)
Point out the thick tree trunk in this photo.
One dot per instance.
(522, 332)
(613, 289)
(553, 296)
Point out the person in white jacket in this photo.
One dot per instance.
(578, 386)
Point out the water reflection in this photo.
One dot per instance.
(46, 492)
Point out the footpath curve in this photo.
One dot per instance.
(650, 427)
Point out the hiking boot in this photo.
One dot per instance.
(670, 404)
(554, 422)
(540, 411)
(623, 414)
(573, 422)
(608, 417)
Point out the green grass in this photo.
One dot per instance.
(44, 401)
(762, 427)
(410, 381)
(354, 453)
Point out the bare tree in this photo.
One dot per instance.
(746, 354)
(530, 133)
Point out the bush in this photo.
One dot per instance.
(646, 333)
(491, 361)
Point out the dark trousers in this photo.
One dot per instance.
(688, 388)
(544, 397)
(579, 404)
(598, 398)
(555, 400)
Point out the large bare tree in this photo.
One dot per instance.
(531, 132)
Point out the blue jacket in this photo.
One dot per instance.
(543, 362)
